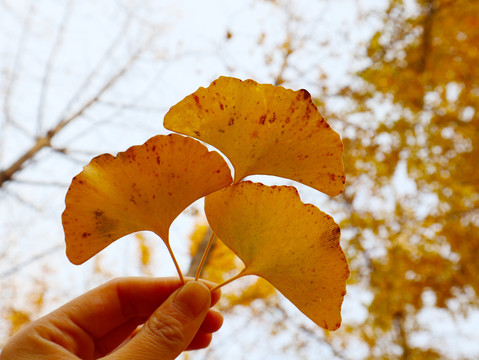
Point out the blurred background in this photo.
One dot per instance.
(398, 79)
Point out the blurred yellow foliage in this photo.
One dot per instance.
(222, 265)
(145, 252)
(260, 289)
(17, 319)
(414, 236)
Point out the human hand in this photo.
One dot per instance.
(102, 323)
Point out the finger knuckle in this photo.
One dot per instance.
(168, 331)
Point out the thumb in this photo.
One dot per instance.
(171, 328)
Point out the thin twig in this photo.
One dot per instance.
(7, 174)
(31, 260)
(41, 183)
(49, 65)
(93, 74)
(134, 106)
(45, 141)
(17, 67)
(22, 200)
(65, 121)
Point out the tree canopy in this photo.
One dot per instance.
(414, 152)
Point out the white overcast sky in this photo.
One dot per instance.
(186, 49)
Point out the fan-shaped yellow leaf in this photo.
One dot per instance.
(293, 245)
(263, 129)
(143, 188)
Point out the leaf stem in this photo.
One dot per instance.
(182, 279)
(205, 255)
(237, 276)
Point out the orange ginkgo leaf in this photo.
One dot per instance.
(143, 188)
(263, 130)
(293, 245)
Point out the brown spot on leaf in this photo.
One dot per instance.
(272, 119)
(197, 100)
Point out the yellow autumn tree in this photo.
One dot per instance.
(412, 202)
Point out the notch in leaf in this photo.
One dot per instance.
(263, 130)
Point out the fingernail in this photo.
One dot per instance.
(193, 298)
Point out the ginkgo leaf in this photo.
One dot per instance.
(263, 130)
(143, 188)
(293, 245)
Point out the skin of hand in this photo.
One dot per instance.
(104, 323)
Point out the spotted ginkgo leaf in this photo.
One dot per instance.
(263, 130)
(143, 188)
(293, 245)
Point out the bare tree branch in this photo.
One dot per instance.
(402, 336)
(107, 55)
(45, 141)
(17, 69)
(42, 183)
(49, 65)
(22, 200)
(428, 23)
(31, 260)
(133, 106)
(324, 340)
(279, 78)
(40, 143)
